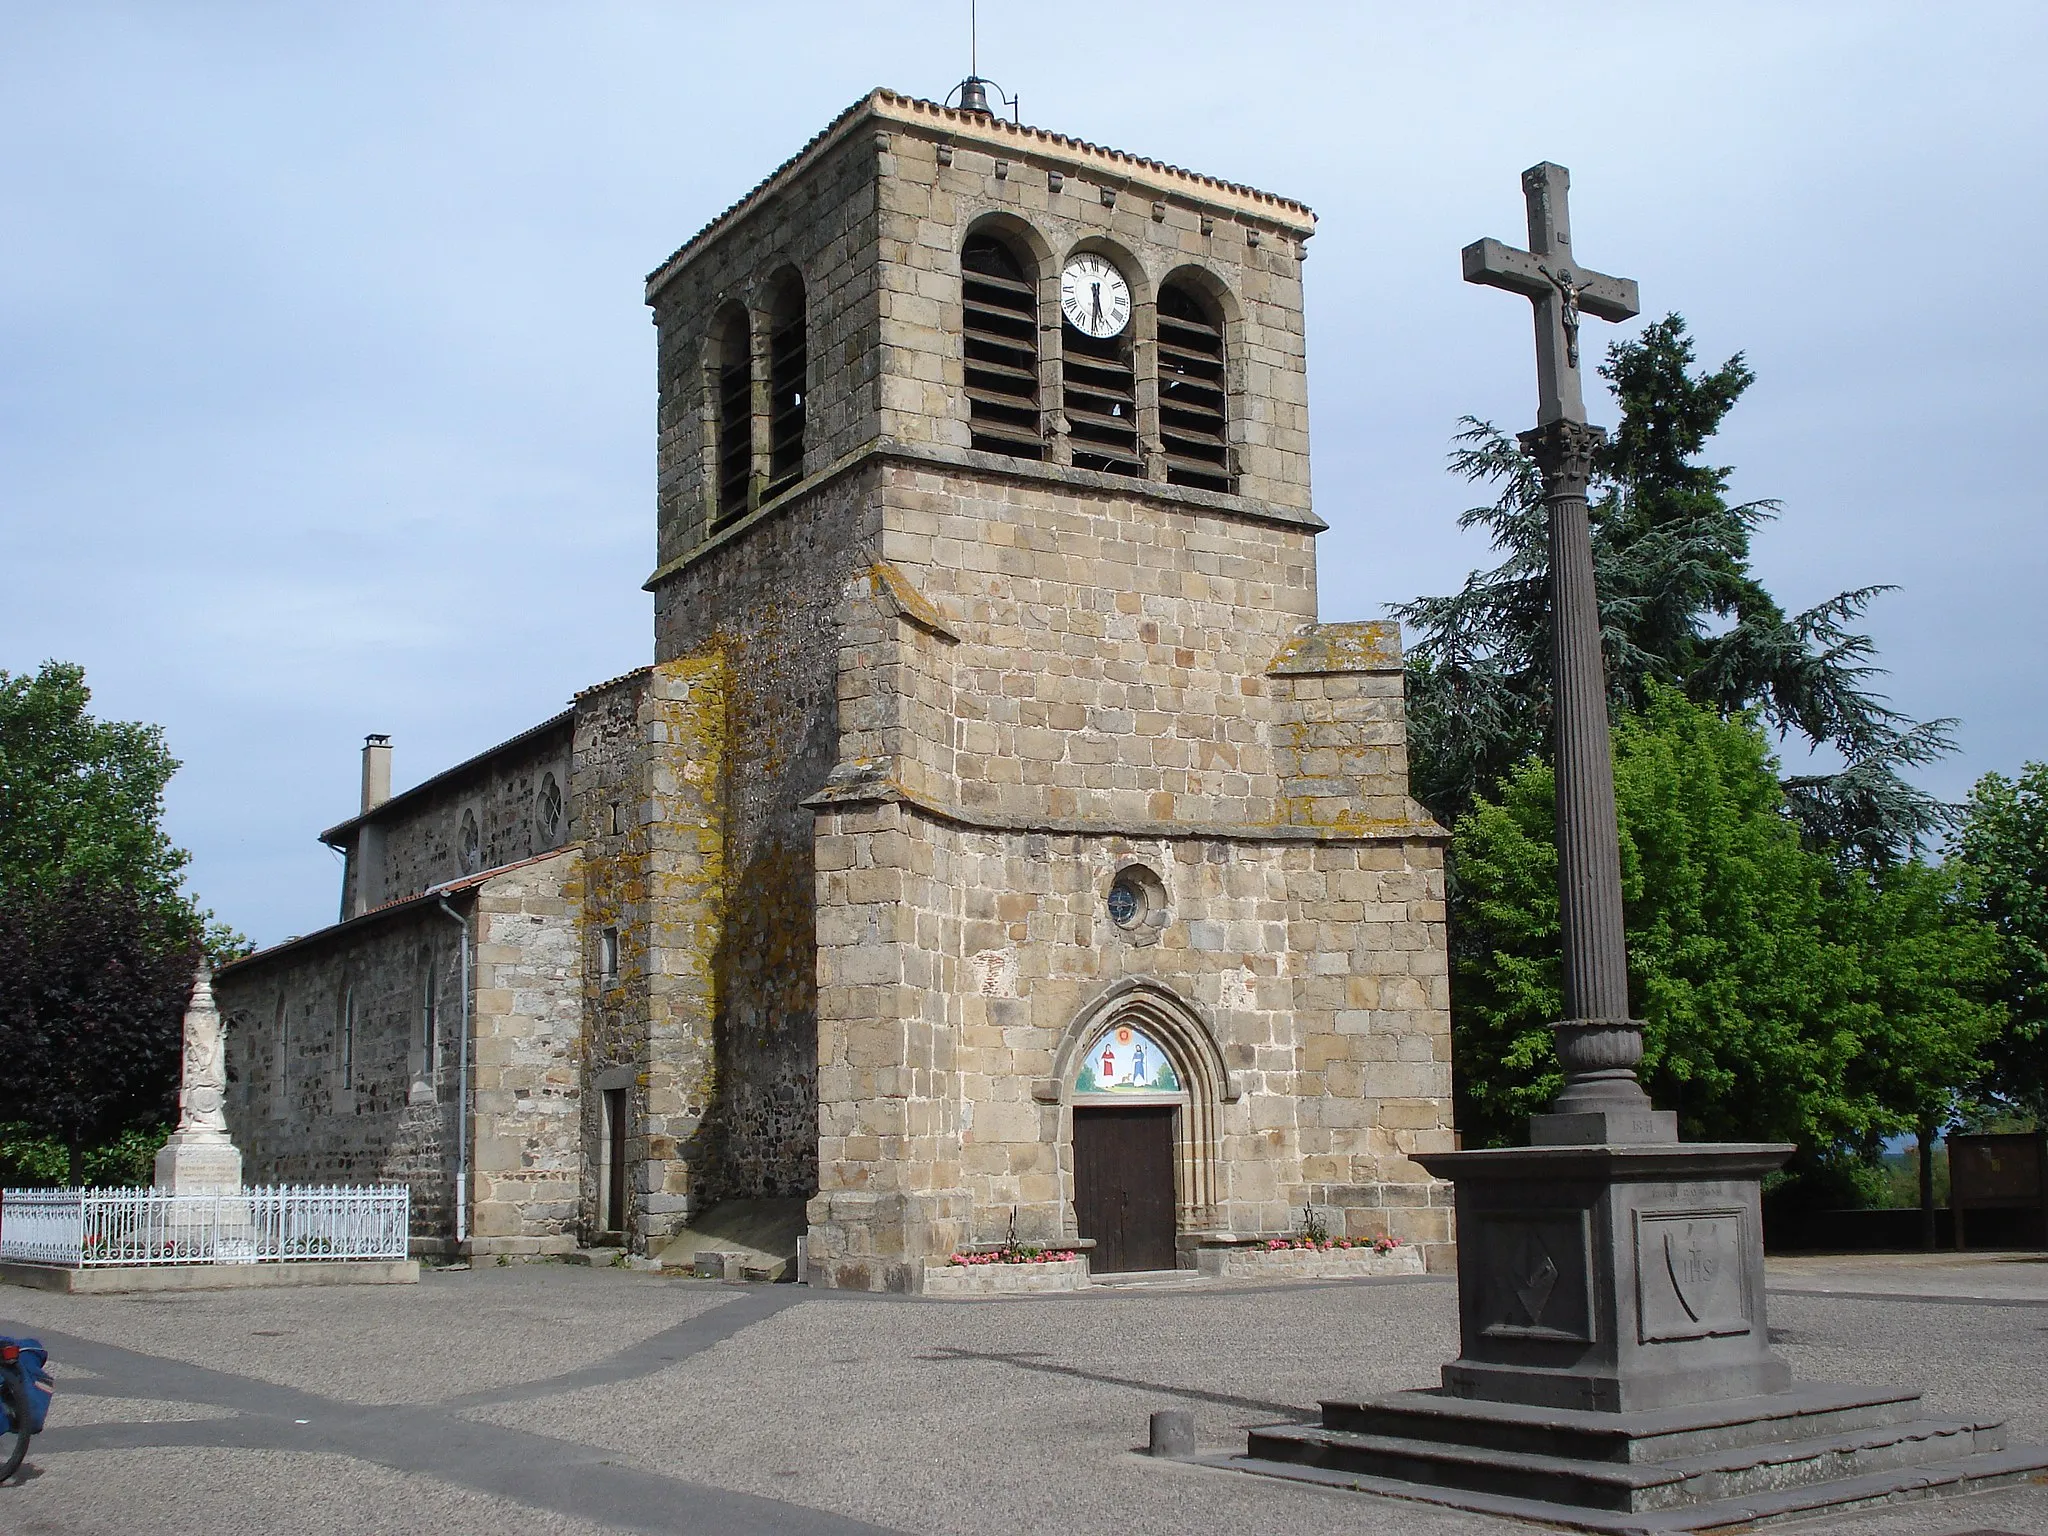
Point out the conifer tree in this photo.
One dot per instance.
(1679, 606)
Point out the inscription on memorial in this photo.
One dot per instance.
(1689, 1275)
(1536, 1276)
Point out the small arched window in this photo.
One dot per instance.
(1193, 420)
(548, 811)
(999, 305)
(733, 367)
(788, 361)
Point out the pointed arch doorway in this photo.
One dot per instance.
(1142, 1077)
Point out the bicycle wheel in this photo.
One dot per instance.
(16, 1404)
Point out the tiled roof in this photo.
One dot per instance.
(883, 102)
(611, 682)
(337, 834)
(383, 909)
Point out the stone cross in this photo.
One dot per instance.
(1551, 276)
(1597, 1043)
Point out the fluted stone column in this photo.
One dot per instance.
(1597, 1042)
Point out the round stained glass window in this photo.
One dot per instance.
(1125, 903)
(1137, 904)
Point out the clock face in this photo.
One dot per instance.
(1094, 296)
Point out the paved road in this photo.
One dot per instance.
(549, 1399)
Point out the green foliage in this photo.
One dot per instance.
(1679, 607)
(1783, 998)
(81, 798)
(36, 1161)
(2002, 846)
(82, 802)
(1902, 1179)
(93, 986)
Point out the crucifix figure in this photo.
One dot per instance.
(1550, 275)
(1597, 1042)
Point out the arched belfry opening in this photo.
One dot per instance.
(1193, 392)
(732, 380)
(788, 368)
(999, 305)
(1143, 1079)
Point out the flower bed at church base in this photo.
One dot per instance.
(1294, 1258)
(996, 1274)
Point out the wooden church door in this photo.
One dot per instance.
(1123, 1185)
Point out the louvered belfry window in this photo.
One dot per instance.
(1000, 306)
(1192, 396)
(787, 362)
(1101, 402)
(735, 381)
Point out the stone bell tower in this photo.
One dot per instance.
(1070, 876)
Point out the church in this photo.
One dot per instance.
(997, 842)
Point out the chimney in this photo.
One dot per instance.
(376, 772)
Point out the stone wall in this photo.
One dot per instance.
(946, 173)
(766, 603)
(527, 1022)
(872, 215)
(650, 784)
(298, 1117)
(962, 970)
(822, 225)
(413, 842)
(313, 1101)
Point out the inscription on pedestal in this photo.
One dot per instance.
(1537, 1275)
(1689, 1275)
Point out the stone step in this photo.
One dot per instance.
(1968, 1474)
(1807, 1409)
(1621, 1485)
(1148, 1278)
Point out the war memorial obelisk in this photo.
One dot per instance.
(1615, 1370)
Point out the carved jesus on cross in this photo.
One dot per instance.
(1550, 275)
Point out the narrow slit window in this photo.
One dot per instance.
(1193, 399)
(1000, 310)
(1101, 401)
(735, 419)
(788, 361)
(608, 954)
(430, 1020)
(348, 1038)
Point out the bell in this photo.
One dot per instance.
(974, 95)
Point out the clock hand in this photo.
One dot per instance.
(1097, 289)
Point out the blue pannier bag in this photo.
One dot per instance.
(37, 1380)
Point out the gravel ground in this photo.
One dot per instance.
(543, 1398)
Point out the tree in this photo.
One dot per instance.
(81, 798)
(98, 937)
(1783, 997)
(1679, 606)
(2002, 845)
(93, 985)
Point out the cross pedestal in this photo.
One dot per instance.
(1611, 1278)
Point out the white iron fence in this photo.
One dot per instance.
(81, 1228)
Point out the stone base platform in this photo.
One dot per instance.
(1005, 1279)
(1256, 1262)
(114, 1279)
(1701, 1467)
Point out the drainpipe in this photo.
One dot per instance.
(461, 1093)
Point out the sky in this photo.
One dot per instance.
(327, 386)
